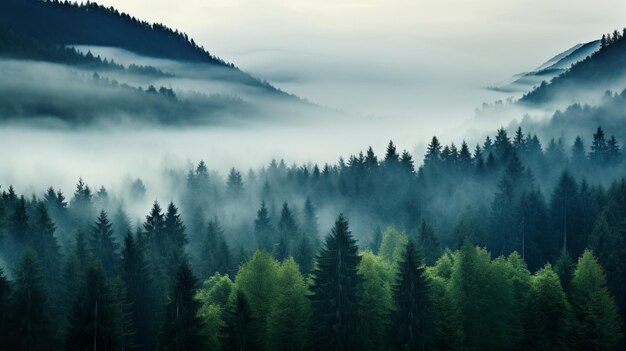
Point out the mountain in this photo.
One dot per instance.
(61, 61)
(525, 82)
(588, 79)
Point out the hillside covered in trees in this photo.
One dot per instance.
(589, 77)
(516, 244)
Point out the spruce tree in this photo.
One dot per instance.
(411, 318)
(290, 313)
(182, 328)
(547, 318)
(5, 304)
(32, 328)
(139, 293)
(263, 231)
(239, 333)
(103, 245)
(335, 291)
(96, 318)
(215, 255)
(597, 324)
(176, 239)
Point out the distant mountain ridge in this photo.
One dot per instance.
(604, 69)
(525, 82)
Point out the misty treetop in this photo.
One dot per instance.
(509, 244)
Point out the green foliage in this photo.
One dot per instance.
(257, 281)
(182, 328)
(288, 323)
(335, 291)
(30, 320)
(597, 325)
(547, 313)
(412, 317)
(376, 301)
(239, 332)
(213, 298)
(483, 297)
(393, 245)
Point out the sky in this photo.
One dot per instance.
(394, 58)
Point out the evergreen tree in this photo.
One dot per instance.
(103, 245)
(310, 225)
(239, 333)
(411, 316)
(182, 329)
(335, 291)
(19, 222)
(287, 226)
(391, 157)
(597, 325)
(429, 243)
(45, 244)
(139, 293)
(257, 280)
(564, 268)
(263, 231)
(175, 233)
(376, 301)
(290, 313)
(598, 147)
(433, 152)
(32, 328)
(5, 304)
(96, 319)
(304, 254)
(579, 156)
(547, 314)
(215, 255)
(235, 183)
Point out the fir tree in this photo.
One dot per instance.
(263, 231)
(239, 333)
(96, 319)
(103, 245)
(32, 328)
(182, 329)
(411, 317)
(335, 296)
(139, 289)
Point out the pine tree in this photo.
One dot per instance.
(31, 324)
(597, 325)
(176, 239)
(579, 156)
(547, 318)
(139, 290)
(5, 304)
(433, 153)
(182, 329)
(263, 230)
(310, 225)
(564, 268)
(45, 244)
(235, 183)
(304, 254)
(598, 147)
(215, 255)
(239, 333)
(375, 301)
(335, 291)
(428, 242)
(290, 313)
(411, 317)
(391, 157)
(19, 222)
(103, 245)
(96, 319)
(287, 226)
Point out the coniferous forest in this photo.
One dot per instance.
(517, 243)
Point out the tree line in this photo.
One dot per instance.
(461, 252)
